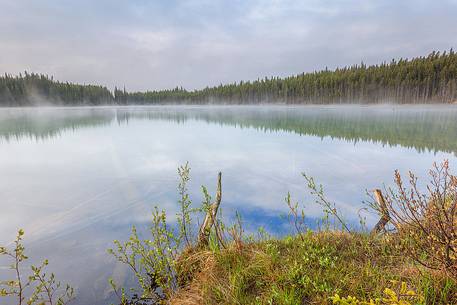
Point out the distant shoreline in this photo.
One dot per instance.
(428, 79)
(68, 106)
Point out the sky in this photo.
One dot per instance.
(159, 44)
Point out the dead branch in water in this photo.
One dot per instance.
(211, 218)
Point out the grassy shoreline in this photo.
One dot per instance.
(311, 269)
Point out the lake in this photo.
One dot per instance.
(75, 179)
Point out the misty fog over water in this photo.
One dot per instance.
(75, 179)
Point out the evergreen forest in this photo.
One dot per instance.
(426, 79)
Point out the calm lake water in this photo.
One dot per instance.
(75, 179)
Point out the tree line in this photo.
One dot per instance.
(426, 79)
(36, 89)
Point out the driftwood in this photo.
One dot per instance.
(385, 217)
(211, 218)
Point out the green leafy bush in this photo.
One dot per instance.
(38, 287)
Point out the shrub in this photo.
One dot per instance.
(40, 287)
(427, 223)
(155, 261)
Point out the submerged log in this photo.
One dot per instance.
(385, 217)
(210, 218)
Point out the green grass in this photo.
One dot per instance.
(307, 269)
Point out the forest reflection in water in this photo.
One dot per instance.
(432, 128)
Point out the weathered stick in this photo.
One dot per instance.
(385, 217)
(210, 218)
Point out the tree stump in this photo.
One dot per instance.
(385, 217)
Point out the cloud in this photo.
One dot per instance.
(163, 44)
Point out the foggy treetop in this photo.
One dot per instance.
(429, 79)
